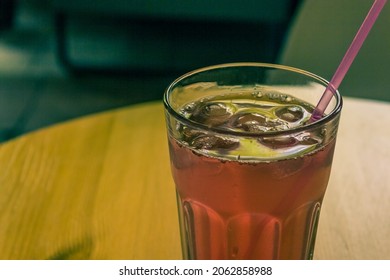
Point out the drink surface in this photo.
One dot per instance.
(249, 113)
(249, 197)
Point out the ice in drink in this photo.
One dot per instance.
(254, 194)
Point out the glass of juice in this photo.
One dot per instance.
(249, 166)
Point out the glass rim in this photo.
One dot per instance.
(329, 117)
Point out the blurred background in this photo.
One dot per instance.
(61, 59)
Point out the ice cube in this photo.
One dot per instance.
(290, 113)
(213, 113)
(188, 133)
(188, 109)
(213, 142)
(250, 122)
(254, 122)
(308, 139)
(278, 142)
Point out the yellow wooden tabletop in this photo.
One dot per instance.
(100, 187)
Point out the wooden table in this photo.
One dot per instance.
(100, 187)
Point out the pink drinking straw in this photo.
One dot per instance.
(348, 59)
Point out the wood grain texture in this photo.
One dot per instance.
(100, 187)
(95, 188)
(355, 219)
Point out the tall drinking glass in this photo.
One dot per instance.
(250, 169)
